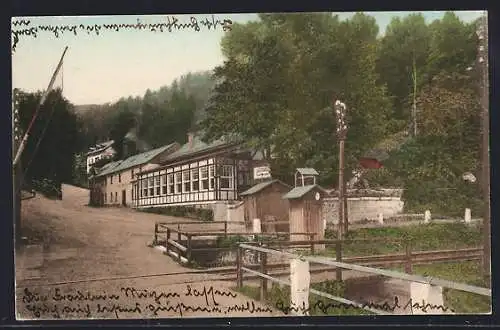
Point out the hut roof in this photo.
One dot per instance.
(298, 192)
(260, 186)
(307, 171)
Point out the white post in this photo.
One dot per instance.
(299, 289)
(427, 299)
(467, 216)
(427, 216)
(380, 218)
(257, 229)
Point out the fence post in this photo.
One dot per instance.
(311, 239)
(427, 216)
(300, 278)
(263, 281)
(239, 272)
(408, 263)
(156, 234)
(467, 216)
(225, 228)
(189, 255)
(338, 255)
(168, 238)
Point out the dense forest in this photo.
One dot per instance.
(275, 89)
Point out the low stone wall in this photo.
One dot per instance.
(362, 208)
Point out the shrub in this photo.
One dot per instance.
(182, 211)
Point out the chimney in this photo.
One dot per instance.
(190, 139)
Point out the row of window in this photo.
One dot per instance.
(193, 180)
(111, 195)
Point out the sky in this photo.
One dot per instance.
(103, 68)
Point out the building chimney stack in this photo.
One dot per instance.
(190, 140)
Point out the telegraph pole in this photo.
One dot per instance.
(485, 131)
(340, 110)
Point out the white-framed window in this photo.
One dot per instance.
(116, 197)
(195, 179)
(157, 185)
(145, 187)
(186, 180)
(226, 177)
(151, 185)
(204, 178)
(178, 182)
(164, 184)
(170, 184)
(212, 177)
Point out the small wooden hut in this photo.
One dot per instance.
(264, 201)
(305, 201)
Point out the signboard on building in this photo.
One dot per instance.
(262, 172)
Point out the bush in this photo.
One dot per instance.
(48, 188)
(182, 211)
(230, 241)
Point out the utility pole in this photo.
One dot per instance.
(485, 161)
(340, 111)
(414, 107)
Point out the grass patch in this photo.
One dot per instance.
(424, 237)
(279, 299)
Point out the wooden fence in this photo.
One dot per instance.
(263, 274)
(175, 236)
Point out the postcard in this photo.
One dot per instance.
(260, 164)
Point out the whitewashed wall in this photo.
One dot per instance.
(362, 208)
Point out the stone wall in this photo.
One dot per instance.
(236, 218)
(362, 208)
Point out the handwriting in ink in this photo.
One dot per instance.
(29, 296)
(210, 292)
(80, 296)
(116, 308)
(38, 310)
(134, 293)
(424, 306)
(172, 23)
(326, 307)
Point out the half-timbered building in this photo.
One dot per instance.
(198, 173)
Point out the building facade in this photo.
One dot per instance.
(112, 185)
(197, 174)
(100, 151)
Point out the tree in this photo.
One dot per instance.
(404, 51)
(55, 137)
(304, 59)
(122, 122)
(448, 146)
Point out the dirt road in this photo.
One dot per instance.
(69, 242)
